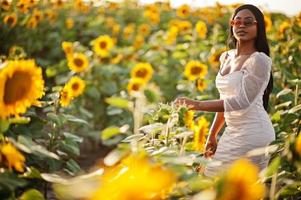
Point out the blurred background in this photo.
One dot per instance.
(289, 7)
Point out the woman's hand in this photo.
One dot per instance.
(211, 146)
(180, 101)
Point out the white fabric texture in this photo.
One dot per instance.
(248, 125)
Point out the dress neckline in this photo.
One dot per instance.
(219, 72)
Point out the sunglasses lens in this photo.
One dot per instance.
(248, 23)
(239, 22)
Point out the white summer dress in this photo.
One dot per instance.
(248, 125)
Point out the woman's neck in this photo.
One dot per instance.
(245, 48)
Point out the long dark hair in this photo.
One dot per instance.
(261, 44)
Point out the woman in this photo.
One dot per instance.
(244, 82)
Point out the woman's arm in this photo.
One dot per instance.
(211, 143)
(218, 123)
(209, 105)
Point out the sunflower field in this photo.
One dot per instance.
(86, 102)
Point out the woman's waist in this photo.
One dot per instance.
(250, 117)
(249, 123)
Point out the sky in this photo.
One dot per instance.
(289, 7)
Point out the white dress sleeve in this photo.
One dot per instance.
(256, 75)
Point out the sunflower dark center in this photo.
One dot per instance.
(37, 16)
(141, 73)
(75, 86)
(17, 87)
(103, 45)
(135, 87)
(196, 70)
(78, 62)
(10, 20)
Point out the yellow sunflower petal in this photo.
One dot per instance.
(135, 85)
(241, 182)
(183, 11)
(144, 71)
(76, 85)
(13, 157)
(298, 144)
(21, 84)
(10, 20)
(102, 45)
(78, 62)
(65, 97)
(194, 69)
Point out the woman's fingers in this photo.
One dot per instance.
(180, 101)
(184, 101)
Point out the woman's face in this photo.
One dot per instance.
(244, 26)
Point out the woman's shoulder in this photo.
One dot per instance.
(262, 59)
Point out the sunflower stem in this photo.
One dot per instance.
(182, 149)
(296, 94)
(273, 186)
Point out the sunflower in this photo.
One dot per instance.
(21, 84)
(174, 23)
(68, 48)
(69, 23)
(5, 5)
(200, 132)
(152, 13)
(155, 18)
(135, 85)
(117, 59)
(171, 35)
(185, 26)
(201, 29)
(194, 69)
(144, 29)
(268, 23)
(116, 29)
(166, 6)
(128, 31)
(23, 8)
(144, 71)
(78, 62)
(50, 15)
(298, 144)
(214, 57)
(110, 21)
(76, 85)
(65, 97)
(32, 3)
(138, 41)
(201, 84)
(32, 23)
(188, 119)
(58, 4)
(183, 11)
(134, 174)
(10, 20)
(113, 5)
(283, 27)
(12, 157)
(102, 45)
(37, 15)
(241, 182)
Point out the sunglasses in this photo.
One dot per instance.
(247, 23)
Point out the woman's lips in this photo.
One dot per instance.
(241, 32)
